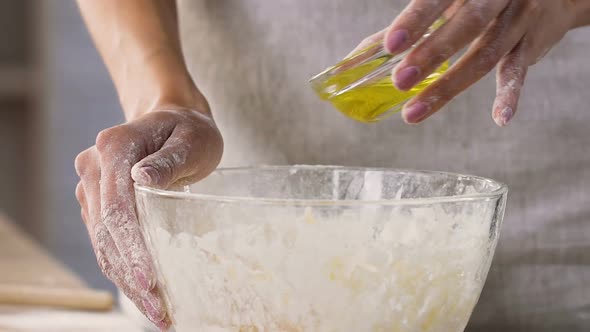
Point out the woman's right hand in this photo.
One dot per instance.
(511, 35)
(165, 146)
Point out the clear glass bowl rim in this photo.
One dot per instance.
(500, 189)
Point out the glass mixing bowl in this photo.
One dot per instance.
(318, 248)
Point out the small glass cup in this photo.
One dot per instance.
(360, 86)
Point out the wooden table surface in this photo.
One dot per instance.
(30, 276)
(45, 320)
(23, 262)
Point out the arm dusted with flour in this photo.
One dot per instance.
(169, 136)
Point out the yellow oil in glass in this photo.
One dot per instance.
(373, 100)
(360, 86)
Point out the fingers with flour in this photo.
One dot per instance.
(81, 197)
(115, 234)
(412, 23)
(88, 193)
(510, 78)
(118, 151)
(108, 256)
(481, 57)
(149, 304)
(115, 268)
(466, 25)
(408, 27)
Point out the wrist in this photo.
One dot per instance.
(581, 13)
(179, 96)
(160, 81)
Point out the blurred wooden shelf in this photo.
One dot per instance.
(15, 82)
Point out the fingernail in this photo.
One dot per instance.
(504, 116)
(163, 325)
(415, 112)
(154, 314)
(396, 40)
(143, 281)
(147, 175)
(406, 78)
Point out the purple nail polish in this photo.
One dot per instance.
(142, 279)
(396, 40)
(416, 112)
(503, 117)
(507, 114)
(406, 78)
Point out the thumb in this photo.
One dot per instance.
(161, 169)
(374, 38)
(186, 156)
(176, 159)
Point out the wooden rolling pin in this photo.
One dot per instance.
(63, 298)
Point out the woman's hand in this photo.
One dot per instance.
(510, 34)
(163, 147)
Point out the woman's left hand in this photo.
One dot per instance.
(510, 34)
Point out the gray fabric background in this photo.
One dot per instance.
(252, 59)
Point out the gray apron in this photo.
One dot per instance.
(252, 59)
